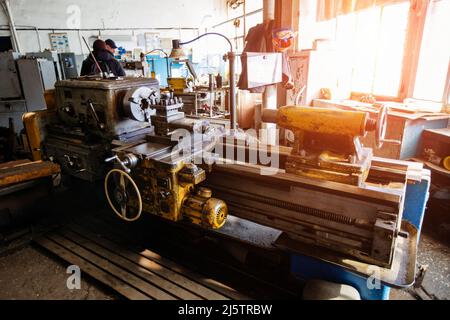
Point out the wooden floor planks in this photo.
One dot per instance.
(136, 275)
(221, 290)
(113, 282)
(160, 266)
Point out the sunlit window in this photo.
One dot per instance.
(371, 44)
(435, 53)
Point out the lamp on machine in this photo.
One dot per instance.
(178, 53)
(169, 74)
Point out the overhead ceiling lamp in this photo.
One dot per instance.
(179, 54)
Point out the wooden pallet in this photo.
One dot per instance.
(134, 274)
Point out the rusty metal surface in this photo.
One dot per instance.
(400, 275)
(388, 196)
(150, 150)
(344, 222)
(23, 172)
(106, 84)
(97, 106)
(323, 120)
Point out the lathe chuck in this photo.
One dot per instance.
(136, 103)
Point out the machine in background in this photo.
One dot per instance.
(24, 84)
(69, 68)
(65, 63)
(134, 68)
(90, 115)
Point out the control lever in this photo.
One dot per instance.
(71, 163)
(94, 113)
(123, 164)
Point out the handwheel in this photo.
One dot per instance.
(123, 188)
(380, 133)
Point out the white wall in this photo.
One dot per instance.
(111, 14)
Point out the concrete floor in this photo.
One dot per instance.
(436, 255)
(32, 274)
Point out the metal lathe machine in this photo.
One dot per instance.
(333, 206)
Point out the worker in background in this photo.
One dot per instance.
(105, 59)
(110, 46)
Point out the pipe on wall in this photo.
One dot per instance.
(269, 10)
(15, 39)
(36, 29)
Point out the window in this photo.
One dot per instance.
(433, 68)
(370, 44)
(5, 44)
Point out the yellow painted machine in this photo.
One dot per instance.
(324, 194)
(326, 191)
(180, 85)
(156, 176)
(327, 142)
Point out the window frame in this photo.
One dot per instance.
(411, 53)
(416, 25)
(417, 17)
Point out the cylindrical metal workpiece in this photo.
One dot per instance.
(269, 115)
(321, 120)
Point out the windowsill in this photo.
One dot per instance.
(408, 105)
(425, 105)
(396, 109)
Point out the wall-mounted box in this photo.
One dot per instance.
(262, 69)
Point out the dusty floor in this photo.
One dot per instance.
(32, 274)
(436, 255)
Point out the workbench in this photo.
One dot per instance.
(23, 185)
